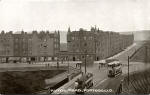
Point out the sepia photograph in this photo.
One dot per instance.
(74, 47)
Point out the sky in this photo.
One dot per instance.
(110, 15)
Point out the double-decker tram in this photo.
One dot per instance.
(85, 82)
(114, 68)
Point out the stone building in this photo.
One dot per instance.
(42, 46)
(6, 45)
(81, 43)
(97, 44)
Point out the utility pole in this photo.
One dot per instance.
(85, 62)
(95, 45)
(68, 42)
(128, 69)
(145, 54)
(68, 64)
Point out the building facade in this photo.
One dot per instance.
(42, 46)
(97, 44)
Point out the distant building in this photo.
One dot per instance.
(97, 44)
(42, 46)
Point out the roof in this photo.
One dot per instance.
(101, 61)
(114, 62)
(111, 60)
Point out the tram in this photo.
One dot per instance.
(85, 82)
(114, 68)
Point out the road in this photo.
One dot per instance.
(109, 85)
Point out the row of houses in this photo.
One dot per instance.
(25, 46)
(96, 44)
(45, 46)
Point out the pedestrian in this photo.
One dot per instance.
(76, 65)
(57, 64)
(99, 66)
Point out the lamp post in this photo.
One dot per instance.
(68, 64)
(128, 69)
(68, 60)
(95, 46)
(145, 54)
(85, 61)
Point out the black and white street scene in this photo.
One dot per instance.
(74, 47)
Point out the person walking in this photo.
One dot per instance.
(99, 66)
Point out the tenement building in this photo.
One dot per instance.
(96, 44)
(35, 46)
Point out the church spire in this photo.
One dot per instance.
(69, 29)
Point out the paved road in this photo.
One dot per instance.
(109, 85)
(101, 81)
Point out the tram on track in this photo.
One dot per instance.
(85, 82)
(114, 68)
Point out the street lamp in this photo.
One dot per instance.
(68, 63)
(85, 61)
(68, 59)
(128, 69)
(95, 41)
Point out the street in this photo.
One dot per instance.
(102, 83)
(111, 84)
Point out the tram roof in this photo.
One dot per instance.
(114, 62)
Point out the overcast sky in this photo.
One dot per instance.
(113, 15)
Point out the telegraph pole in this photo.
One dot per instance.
(95, 45)
(85, 62)
(128, 69)
(145, 54)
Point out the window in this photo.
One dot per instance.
(24, 46)
(77, 50)
(30, 52)
(91, 38)
(30, 40)
(55, 46)
(16, 39)
(73, 45)
(24, 52)
(85, 44)
(84, 37)
(73, 38)
(23, 40)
